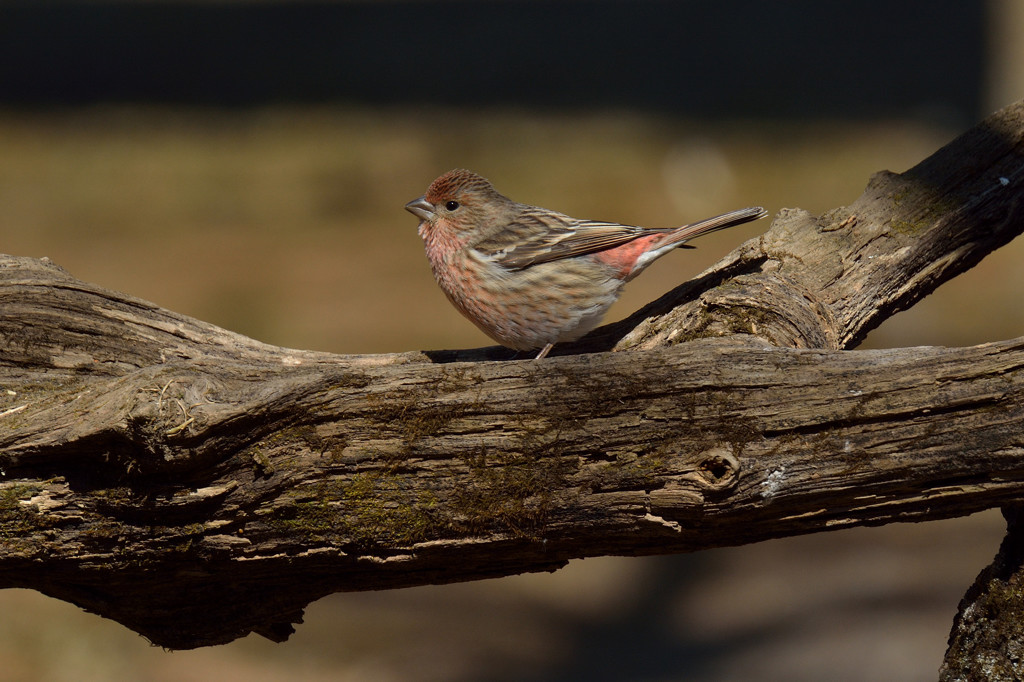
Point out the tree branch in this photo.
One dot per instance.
(985, 641)
(197, 485)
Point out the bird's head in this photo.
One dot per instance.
(457, 202)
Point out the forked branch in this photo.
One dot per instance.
(197, 485)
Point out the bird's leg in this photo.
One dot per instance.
(544, 351)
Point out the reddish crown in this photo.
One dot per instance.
(456, 183)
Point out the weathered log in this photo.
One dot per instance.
(197, 485)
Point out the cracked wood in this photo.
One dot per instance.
(197, 485)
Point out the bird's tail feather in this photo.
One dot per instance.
(676, 238)
(720, 222)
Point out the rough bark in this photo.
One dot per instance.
(987, 640)
(197, 485)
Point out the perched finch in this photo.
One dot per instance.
(529, 277)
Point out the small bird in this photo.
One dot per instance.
(529, 277)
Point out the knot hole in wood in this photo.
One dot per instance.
(719, 469)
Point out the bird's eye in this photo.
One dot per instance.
(452, 205)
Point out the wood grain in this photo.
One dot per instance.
(197, 485)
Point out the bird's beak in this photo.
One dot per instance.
(421, 208)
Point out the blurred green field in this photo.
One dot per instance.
(286, 224)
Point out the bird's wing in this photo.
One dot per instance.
(538, 236)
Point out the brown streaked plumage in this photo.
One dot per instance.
(529, 277)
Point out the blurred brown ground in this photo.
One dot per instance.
(286, 224)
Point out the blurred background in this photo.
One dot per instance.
(246, 163)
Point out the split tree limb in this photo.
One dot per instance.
(197, 485)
